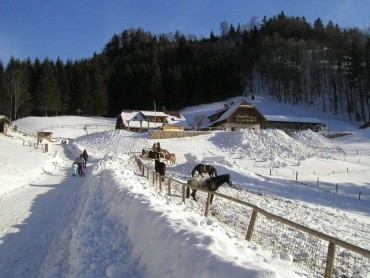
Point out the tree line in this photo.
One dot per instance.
(292, 60)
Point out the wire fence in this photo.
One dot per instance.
(315, 252)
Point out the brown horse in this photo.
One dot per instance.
(211, 184)
(203, 168)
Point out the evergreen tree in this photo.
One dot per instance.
(48, 97)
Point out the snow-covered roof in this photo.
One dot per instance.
(4, 118)
(292, 119)
(229, 110)
(154, 114)
(136, 117)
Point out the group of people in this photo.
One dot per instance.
(79, 164)
(157, 147)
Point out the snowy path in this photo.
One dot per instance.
(32, 218)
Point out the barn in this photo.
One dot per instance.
(290, 123)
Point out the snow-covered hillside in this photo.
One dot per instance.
(114, 223)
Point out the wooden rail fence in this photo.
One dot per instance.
(318, 253)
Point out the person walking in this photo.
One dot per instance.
(85, 156)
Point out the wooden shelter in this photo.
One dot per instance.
(44, 135)
(4, 123)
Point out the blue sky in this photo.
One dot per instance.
(75, 29)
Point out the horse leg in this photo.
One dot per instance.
(211, 199)
(193, 195)
(187, 192)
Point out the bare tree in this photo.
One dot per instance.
(199, 121)
(16, 83)
(224, 28)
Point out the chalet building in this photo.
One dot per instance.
(142, 121)
(4, 123)
(237, 115)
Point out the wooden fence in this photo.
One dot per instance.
(317, 253)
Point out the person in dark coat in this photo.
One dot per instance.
(80, 163)
(85, 156)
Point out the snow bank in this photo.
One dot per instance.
(271, 147)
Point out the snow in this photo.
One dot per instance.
(114, 223)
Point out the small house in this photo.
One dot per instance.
(142, 121)
(4, 123)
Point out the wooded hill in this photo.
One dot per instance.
(284, 56)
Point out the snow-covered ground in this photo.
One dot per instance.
(114, 223)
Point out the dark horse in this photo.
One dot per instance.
(202, 168)
(159, 167)
(211, 184)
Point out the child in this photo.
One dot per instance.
(74, 168)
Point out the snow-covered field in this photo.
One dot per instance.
(114, 223)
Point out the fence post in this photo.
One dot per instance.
(251, 225)
(359, 195)
(183, 193)
(296, 176)
(336, 188)
(330, 260)
(207, 204)
(169, 187)
(317, 182)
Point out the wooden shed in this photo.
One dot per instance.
(4, 123)
(44, 135)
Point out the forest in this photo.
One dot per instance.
(286, 57)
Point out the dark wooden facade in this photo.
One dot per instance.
(236, 116)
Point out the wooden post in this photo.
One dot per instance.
(270, 172)
(330, 260)
(169, 187)
(317, 182)
(183, 193)
(207, 204)
(336, 188)
(359, 195)
(251, 225)
(296, 176)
